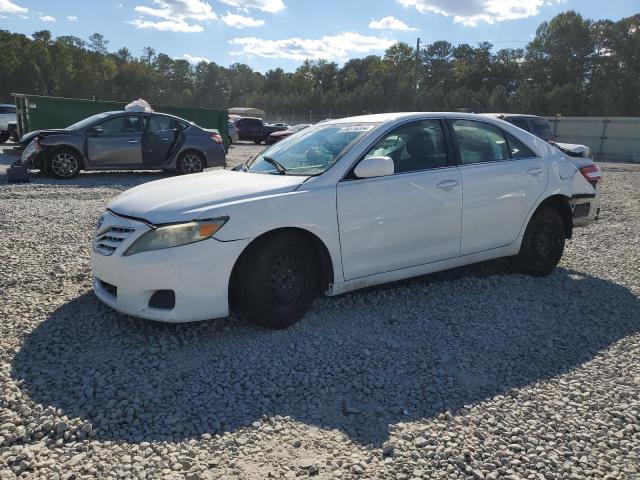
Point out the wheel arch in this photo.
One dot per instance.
(562, 205)
(323, 257)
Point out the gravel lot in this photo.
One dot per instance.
(475, 373)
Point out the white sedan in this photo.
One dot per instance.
(340, 206)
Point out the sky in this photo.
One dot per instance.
(267, 34)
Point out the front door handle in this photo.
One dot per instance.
(535, 171)
(165, 140)
(448, 184)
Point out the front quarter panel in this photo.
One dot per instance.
(311, 208)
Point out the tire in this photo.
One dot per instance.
(63, 163)
(190, 162)
(542, 245)
(4, 136)
(276, 281)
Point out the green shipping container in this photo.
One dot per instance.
(36, 112)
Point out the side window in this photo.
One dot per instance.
(413, 147)
(520, 123)
(480, 142)
(124, 124)
(158, 123)
(518, 149)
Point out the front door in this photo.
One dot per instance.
(406, 219)
(115, 142)
(158, 139)
(502, 181)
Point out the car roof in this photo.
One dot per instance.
(388, 117)
(510, 115)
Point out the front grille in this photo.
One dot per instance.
(107, 242)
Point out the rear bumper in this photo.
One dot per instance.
(585, 208)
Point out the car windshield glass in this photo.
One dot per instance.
(87, 121)
(310, 152)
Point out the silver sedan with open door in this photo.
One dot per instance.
(124, 141)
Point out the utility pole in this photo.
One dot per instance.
(417, 74)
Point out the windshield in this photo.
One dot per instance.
(310, 152)
(87, 121)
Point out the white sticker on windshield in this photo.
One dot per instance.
(355, 128)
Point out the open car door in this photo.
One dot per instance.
(161, 138)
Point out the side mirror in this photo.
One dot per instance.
(96, 130)
(375, 167)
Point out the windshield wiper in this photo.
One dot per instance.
(275, 163)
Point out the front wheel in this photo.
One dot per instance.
(542, 245)
(276, 281)
(63, 163)
(190, 162)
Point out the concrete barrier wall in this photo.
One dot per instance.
(610, 138)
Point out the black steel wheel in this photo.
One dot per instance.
(276, 280)
(542, 245)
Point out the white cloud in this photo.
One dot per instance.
(48, 19)
(7, 6)
(240, 21)
(472, 12)
(72, 18)
(194, 59)
(335, 47)
(271, 6)
(390, 23)
(176, 15)
(167, 26)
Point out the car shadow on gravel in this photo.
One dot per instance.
(357, 363)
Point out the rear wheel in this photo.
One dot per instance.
(276, 281)
(190, 162)
(63, 163)
(542, 245)
(4, 136)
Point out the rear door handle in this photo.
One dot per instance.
(165, 140)
(134, 141)
(448, 184)
(535, 171)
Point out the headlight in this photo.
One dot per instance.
(176, 235)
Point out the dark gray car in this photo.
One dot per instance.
(124, 141)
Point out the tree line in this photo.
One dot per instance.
(573, 66)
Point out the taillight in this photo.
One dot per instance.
(217, 138)
(592, 173)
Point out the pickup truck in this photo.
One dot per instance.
(254, 129)
(7, 122)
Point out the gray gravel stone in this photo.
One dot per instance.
(475, 373)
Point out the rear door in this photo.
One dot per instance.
(160, 136)
(115, 142)
(501, 179)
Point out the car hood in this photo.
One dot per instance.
(191, 197)
(27, 137)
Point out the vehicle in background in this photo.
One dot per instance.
(255, 130)
(7, 121)
(250, 128)
(124, 141)
(343, 205)
(13, 131)
(277, 136)
(233, 133)
(270, 128)
(540, 127)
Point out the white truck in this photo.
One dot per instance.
(8, 123)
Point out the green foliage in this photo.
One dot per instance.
(573, 66)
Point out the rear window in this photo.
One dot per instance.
(541, 126)
(520, 123)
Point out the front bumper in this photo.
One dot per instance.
(198, 274)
